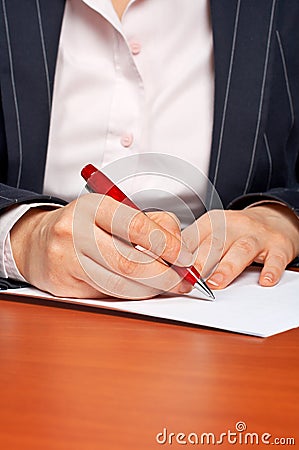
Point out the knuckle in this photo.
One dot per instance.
(247, 245)
(63, 227)
(172, 246)
(157, 241)
(190, 241)
(280, 259)
(138, 226)
(217, 243)
(228, 268)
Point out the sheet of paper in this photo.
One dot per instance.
(244, 307)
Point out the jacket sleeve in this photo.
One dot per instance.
(288, 196)
(10, 196)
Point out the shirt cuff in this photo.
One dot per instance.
(8, 268)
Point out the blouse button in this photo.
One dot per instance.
(135, 47)
(126, 140)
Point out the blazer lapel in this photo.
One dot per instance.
(29, 37)
(242, 32)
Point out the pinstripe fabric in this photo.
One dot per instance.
(261, 98)
(15, 99)
(270, 161)
(255, 134)
(232, 54)
(254, 101)
(42, 37)
(286, 78)
(29, 36)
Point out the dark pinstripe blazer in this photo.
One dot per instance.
(255, 143)
(256, 121)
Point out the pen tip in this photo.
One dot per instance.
(201, 286)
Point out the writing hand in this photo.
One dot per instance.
(84, 250)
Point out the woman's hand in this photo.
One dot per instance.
(226, 242)
(85, 249)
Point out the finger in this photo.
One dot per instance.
(212, 223)
(122, 258)
(209, 254)
(213, 245)
(73, 287)
(167, 220)
(239, 256)
(114, 285)
(194, 234)
(116, 255)
(136, 227)
(274, 266)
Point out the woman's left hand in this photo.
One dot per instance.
(226, 242)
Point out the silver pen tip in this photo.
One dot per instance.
(201, 286)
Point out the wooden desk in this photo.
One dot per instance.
(76, 379)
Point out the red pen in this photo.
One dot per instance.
(99, 183)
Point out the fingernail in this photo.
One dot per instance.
(216, 279)
(185, 258)
(185, 287)
(268, 278)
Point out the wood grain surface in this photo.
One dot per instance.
(81, 379)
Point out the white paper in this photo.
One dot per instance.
(243, 307)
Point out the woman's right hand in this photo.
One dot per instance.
(85, 250)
